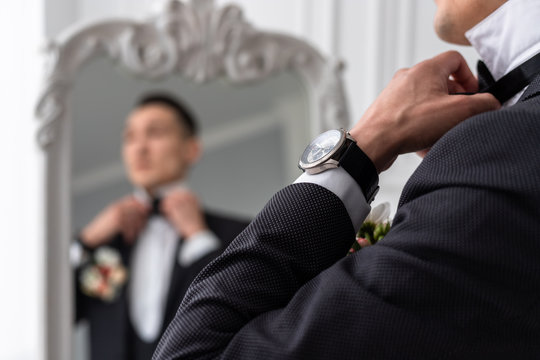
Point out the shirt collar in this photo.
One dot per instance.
(507, 37)
(144, 197)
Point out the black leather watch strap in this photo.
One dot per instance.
(362, 169)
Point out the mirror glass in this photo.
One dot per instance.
(252, 135)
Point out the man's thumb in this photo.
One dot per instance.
(482, 102)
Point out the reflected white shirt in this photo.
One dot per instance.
(152, 265)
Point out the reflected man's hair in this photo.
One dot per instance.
(184, 114)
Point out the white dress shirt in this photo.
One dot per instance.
(152, 265)
(508, 37)
(504, 40)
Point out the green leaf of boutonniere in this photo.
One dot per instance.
(374, 228)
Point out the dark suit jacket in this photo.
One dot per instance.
(457, 277)
(111, 333)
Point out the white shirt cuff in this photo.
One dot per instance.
(76, 254)
(345, 187)
(197, 246)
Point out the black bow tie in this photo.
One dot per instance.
(485, 79)
(156, 204)
(510, 84)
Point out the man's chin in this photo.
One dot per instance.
(449, 35)
(150, 182)
(144, 182)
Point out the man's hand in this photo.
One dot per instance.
(126, 216)
(417, 108)
(183, 210)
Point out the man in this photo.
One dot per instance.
(456, 277)
(160, 235)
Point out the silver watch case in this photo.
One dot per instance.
(323, 152)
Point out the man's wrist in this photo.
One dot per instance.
(83, 241)
(361, 169)
(374, 149)
(88, 240)
(193, 232)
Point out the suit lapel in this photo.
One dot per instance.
(533, 90)
(181, 278)
(174, 290)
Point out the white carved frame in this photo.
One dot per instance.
(196, 40)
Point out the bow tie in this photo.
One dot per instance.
(155, 210)
(510, 84)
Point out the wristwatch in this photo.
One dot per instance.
(336, 148)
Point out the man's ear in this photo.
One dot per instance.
(193, 150)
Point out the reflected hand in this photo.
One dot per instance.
(126, 216)
(184, 211)
(417, 108)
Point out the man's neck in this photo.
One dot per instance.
(507, 37)
(145, 195)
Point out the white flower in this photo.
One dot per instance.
(90, 279)
(118, 276)
(104, 277)
(107, 256)
(379, 214)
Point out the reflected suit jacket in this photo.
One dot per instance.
(112, 336)
(457, 276)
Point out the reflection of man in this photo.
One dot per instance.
(161, 234)
(456, 277)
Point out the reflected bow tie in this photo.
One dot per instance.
(510, 84)
(156, 204)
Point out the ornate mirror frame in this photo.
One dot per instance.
(196, 40)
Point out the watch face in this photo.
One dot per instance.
(321, 147)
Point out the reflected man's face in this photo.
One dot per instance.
(156, 148)
(455, 17)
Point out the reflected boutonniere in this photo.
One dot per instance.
(374, 228)
(104, 276)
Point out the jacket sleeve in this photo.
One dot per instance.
(260, 271)
(456, 277)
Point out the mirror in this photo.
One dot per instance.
(251, 136)
(259, 96)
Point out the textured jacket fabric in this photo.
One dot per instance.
(457, 277)
(112, 336)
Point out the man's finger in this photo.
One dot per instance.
(470, 105)
(453, 63)
(454, 87)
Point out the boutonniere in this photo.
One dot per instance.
(374, 228)
(104, 275)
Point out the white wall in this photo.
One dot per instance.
(21, 263)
